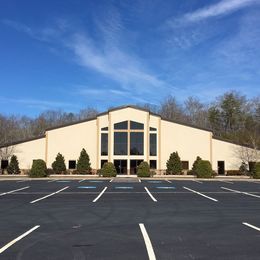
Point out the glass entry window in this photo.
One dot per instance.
(121, 166)
(133, 166)
(136, 143)
(120, 143)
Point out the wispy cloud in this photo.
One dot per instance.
(105, 51)
(37, 103)
(221, 8)
(47, 33)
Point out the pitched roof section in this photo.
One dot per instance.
(123, 107)
(23, 141)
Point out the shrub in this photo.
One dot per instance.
(38, 169)
(143, 170)
(204, 169)
(83, 163)
(234, 173)
(243, 168)
(13, 167)
(256, 171)
(108, 170)
(58, 165)
(174, 164)
(193, 169)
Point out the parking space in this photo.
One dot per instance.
(102, 219)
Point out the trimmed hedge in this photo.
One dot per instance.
(256, 171)
(38, 169)
(108, 170)
(234, 173)
(143, 170)
(204, 169)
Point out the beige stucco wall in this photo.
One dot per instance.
(225, 151)
(187, 141)
(28, 151)
(70, 140)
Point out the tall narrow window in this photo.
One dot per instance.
(120, 143)
(136, 143)
(104, 144)
(153, 145)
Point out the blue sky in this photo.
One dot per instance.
(73, 54)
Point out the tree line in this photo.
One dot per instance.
(231, 116)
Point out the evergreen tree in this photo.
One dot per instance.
(58, 165)
(13, 167)
(174, 164)
(194, 166)
(83, 163)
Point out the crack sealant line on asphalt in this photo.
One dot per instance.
(241, 192)
(50, 195)
(9, 192)
(18, 238)
(201, 194)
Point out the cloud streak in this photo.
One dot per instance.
(221, 8)
(39, 103)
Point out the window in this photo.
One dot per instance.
(104, 129)
(152, 129)
(104, 144)
(185, 165)
(72, 164)
(121, 166)
(120, 143)
(153, 164)
(136, 126)
(121, 125)
(153, 145)
(4, 164)
(136, 143)
(133, 166)
(102, 163)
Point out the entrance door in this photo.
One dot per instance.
(121, 166)
(221, 167)
(133, 166)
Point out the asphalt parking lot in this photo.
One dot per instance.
(136, 219)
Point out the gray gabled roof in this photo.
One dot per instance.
(127, 106)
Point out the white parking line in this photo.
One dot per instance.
(50, 195)
(251, 226)
(149, 193)
(100, 194)
(241, 192)
(17, 239)
(148, 243)
(52, 180)
(200, 194)
(82, 180)
(22, 180)
(139, 180)
(8, 192)
(168, 181)
(230, 182)
(197, 181)
(111, 180)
